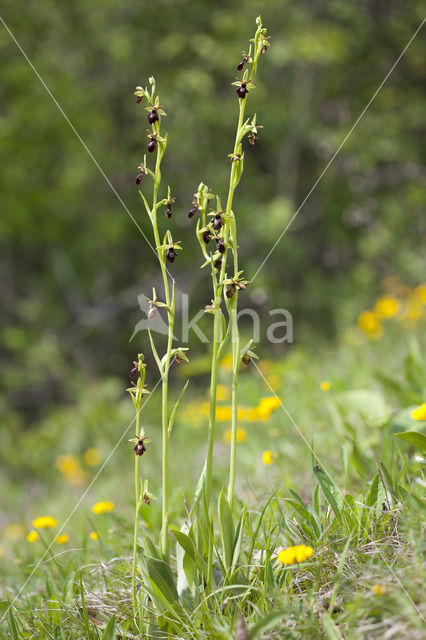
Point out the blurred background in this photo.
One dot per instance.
(72, 261)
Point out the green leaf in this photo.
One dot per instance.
(266, 623)
(160, 574)
(330, 490)
(236, 550)
(68, 588)
(331, 630)
(187, 544)
(199, 489)
(226, 526)
(176, 407)
(109, 633)
(309, 517)
(13, 626)
(371, 499)
(418, 440)
(147, 207)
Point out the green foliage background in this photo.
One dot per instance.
(72, 261)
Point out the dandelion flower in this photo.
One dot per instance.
(298, 553)
(325, 386)
(267, 457)
(62, 539)
(32, 536)
(92, 457)
(386, 307)
(103, 507)
(419, 413)
(266, 406)
(420, 293)
(93, 536)
(67, 463)
(241, 435)
(369, 323)
(226, 362)
(45, 522)
(222, 393)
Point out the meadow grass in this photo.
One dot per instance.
(363, 520)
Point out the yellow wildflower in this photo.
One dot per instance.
(378, 590)
(223, 414)
(32, 536)
(241, 435)
(226, 362)
(419, 413)
(420, 293)
(369, 323)
(93, 536)
(67, 463)
(299, 553)
(267, 457)
(92, 457)
(266, 406)
(222, 393)
(325, 386)
(62, 539)
(386, 307)
(103, 507)
(45, 522)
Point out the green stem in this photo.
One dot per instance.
(231, 230)
(164, 542)
(135, 527)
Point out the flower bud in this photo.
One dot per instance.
(152, 145)
(192, 212)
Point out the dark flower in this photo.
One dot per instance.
(170, 254)
(217, 222)
(139, 177)
(206, 236)
(242, 91)
(153, 116)
(220, 245)
(152, 145)
(192, 212)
